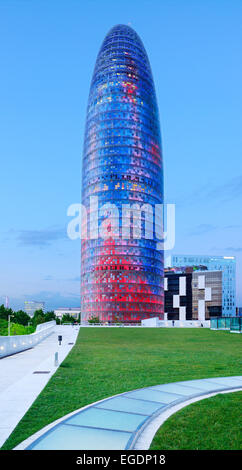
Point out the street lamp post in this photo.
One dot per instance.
(9, 316)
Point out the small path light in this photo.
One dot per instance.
(56, 359)
(60, 339)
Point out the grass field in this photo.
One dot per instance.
(108, 361)
(214, 423)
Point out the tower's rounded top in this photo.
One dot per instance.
(123, 28)
(121, 52)
(123, 31)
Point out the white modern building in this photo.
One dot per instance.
(74, 312)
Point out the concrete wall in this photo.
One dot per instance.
(150, 322)
(155, 322)
(14, 344)
(184, 324)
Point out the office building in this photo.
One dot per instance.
(226, 264)
(194, 295)
(30, 306)
(178, 296)
(206, 295)
(122, 276)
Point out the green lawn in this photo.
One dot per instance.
(214, 424)
(108, 361)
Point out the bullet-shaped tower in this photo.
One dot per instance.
(122, 272)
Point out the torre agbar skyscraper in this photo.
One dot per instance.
(121, 275)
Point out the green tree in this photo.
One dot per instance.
(3, 327)
(49, 316)
(4, 312)
(67, 318)
(21, 317)
(39, 317)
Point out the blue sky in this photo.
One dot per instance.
(48, 52)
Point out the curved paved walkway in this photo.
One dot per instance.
(20, 380)
(122, 421)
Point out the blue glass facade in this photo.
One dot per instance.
(122, 278)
